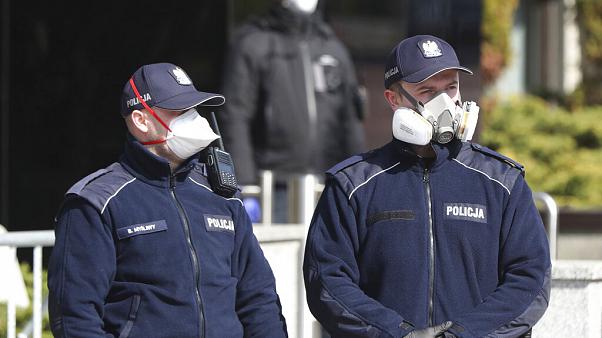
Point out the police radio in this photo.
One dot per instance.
(220, 167)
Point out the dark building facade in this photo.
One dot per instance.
(63, 65)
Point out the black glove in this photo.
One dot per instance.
(447, 335)
(430, 332)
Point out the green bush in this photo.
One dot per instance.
(24, 315)
(589, 13)
(561, 150)
(496, 26)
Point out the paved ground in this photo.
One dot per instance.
(580, 246)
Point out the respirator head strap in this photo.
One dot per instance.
(141, 100)
(417, 104)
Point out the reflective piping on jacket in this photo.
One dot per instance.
(530, 316)
(206, 187)
(115, 194)
(371, 177)
(489, 177)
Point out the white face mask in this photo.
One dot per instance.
(302, 6)
(190, 133)
(440, 120)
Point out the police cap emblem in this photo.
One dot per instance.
(181, 76)
(430, 49)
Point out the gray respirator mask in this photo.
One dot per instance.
(438, 120)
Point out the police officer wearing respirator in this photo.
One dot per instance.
(430, 235)
(146, 247)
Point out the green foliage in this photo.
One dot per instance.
(561, 150)
(24, 315)
(589, 14)
(496, 26)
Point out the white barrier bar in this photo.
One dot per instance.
(37, 292)
(11, 320)
(267, 186)
(551, 220)
(307, 203)
(307, 200)
(27, 239)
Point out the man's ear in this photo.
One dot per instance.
(138, 120)
(392, 99)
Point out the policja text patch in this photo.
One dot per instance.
(466, 212)
(219, 223)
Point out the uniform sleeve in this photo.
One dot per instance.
(241, 89)
(332, 275)
(81, 267)
(257, 303)
(522, 295)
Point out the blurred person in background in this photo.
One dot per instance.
(429, 235)
(294, 105)
(145, 247)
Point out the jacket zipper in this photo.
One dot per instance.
(195, 263)
(426, 180)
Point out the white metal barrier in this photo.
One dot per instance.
(274, 238)
(551, 219)
(303, 192)
(37, 240)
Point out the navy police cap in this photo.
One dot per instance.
(166, 86)
(419, 57)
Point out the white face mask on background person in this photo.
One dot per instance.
(440, 120)
(190, 133)
(301, 6)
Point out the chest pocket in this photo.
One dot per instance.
(390, 215)
(327, 73)
(141, 229)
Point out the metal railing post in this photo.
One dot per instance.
(267, 188)
(551, 219)
(11, 320)
(307, 198)
(37, 240)
(306, 202)
(37, 292)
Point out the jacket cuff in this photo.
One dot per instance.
(458, 330)
(406, 327)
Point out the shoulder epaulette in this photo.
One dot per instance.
(500, 157)
(99, 187)
(345, 163)
(356, 171)
(81, 184)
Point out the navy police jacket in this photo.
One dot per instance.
(397, 245)
(141, 252)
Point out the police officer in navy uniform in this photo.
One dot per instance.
(144, 247)
(430, 235)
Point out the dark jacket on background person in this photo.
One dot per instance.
(396, 244)
(141, 252)
(293, 104)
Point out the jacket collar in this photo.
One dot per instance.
(151, 168)
(443, 153)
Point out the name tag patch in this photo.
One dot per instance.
(219, 223)
(141, 229)
(466, 212)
